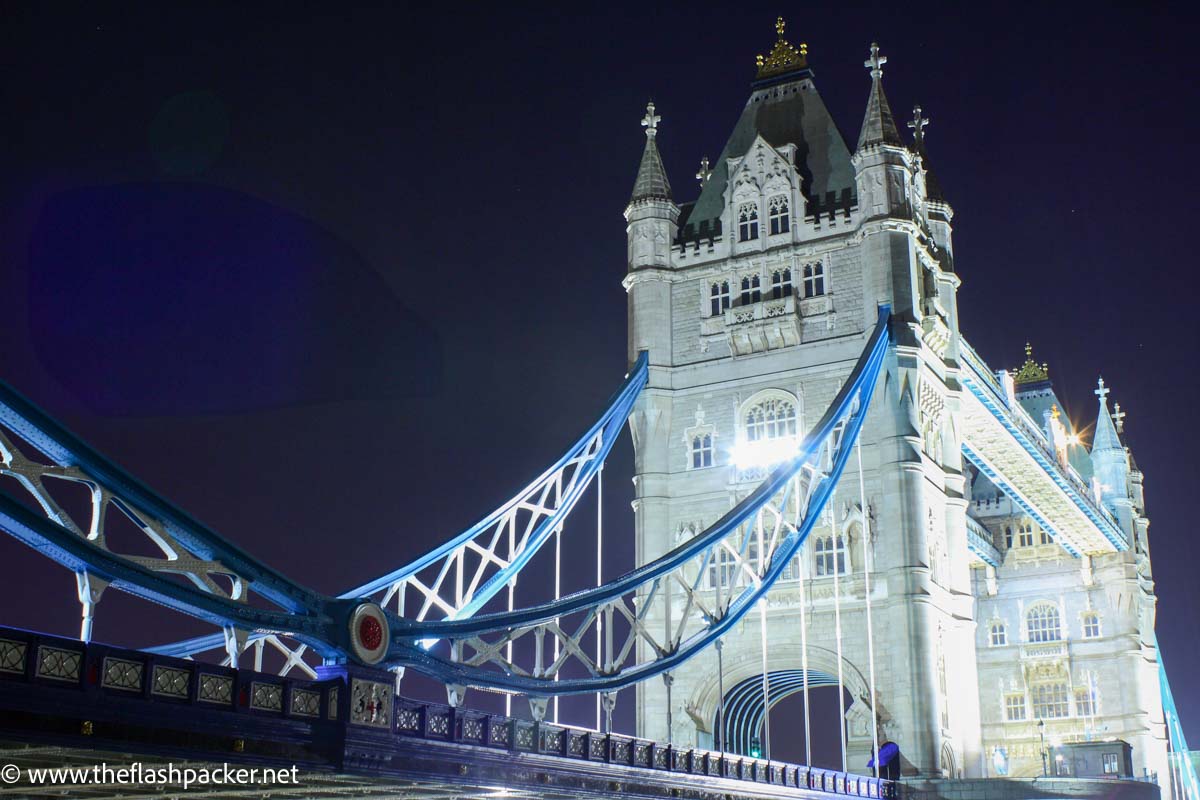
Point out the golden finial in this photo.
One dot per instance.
(1031, 371)
(1054, 412)
(784, 57)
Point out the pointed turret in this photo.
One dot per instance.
(885, 175)
(651, 183)
(934, 208)
(879, 126)
(652, 218)
(1110, 465)
(933, 187)
(1105, 438)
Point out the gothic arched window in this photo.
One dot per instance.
(814, 280)
(1008, 538)
(702, 451)
(1042, 624)
(997, 634)
(1091, 625)
(1025, 534)
(751, 290)
(777, 214)
(747, 222)
(781, 283)
(719, 297)
(830, 556)
(1050, 701)
(773, 418)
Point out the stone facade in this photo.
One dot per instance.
(752, 317)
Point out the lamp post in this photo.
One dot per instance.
(1042, 734)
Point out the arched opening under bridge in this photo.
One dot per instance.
(745, 712)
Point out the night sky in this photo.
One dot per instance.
(339, 281)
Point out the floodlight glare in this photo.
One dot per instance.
(763, 453)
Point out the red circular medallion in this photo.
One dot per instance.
(370, 633)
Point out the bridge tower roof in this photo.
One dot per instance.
(784, 107)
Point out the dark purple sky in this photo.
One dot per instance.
(339, 282)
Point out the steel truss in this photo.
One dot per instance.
(453, 581)
(196, 571)
(652, 619)
(666, 609)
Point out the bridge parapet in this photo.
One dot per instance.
(94, 697)
(979, 542)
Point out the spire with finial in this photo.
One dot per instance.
(704, 172)
(1031, 371)
(651, 120)
(879, 126)
(918, 124)
(1118, 417)
(1106, 433)
(784, 57)
(651, 183)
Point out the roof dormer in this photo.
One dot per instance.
(762, 196)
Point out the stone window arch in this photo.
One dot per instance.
(747, 221)
(829, 556)
(781, 283)
(997, 633)
(1043, 623)
(751, 290)
(770, 415)
(718, 297)
(702, 451)
(778, 214)
(813, 279)
(700, 442)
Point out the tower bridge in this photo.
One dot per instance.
(832, 489)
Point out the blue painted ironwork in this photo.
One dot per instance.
(744, 707)
(799, 486)
(203, 556)
(540, 509)
(189, 548)
(1184, 766)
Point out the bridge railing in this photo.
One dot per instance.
(241, 715)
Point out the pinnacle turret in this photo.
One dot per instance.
(879, 126)
(933, 187)
(651, 183)
(1110, 465)
(1105, 438)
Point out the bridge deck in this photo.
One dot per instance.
(62, 699)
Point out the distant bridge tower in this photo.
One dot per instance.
(754, 300)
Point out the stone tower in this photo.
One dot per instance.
(754, 302)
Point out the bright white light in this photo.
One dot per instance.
(763, 453)
(1073, 438)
